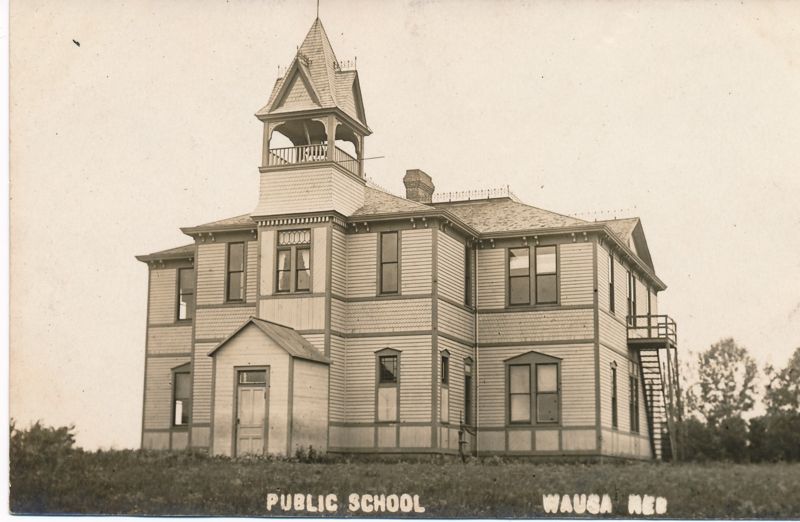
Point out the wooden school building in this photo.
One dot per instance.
(341, 317)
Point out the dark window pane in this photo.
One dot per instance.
(303, 258)
(389, 247)
(546, 289)
(235, 286)
(518, 262)
(519, 290)
(182, 385)
(303, 280)
(388, 368)
(284, 260)
(236, 256)
(520, 406)
(547, 407)
(445, 370)
(253, 377)
(389, 278)
(187, 279)
(283, 281)
(546, 260)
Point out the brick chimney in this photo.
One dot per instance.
(419, 186)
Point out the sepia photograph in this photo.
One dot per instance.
(404, 259)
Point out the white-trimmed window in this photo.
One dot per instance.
(390, 263)
(185, 293)
(235, 272)
(546, 274)
(387, 393)
(611, 297)
(519, 276)
(293, 268)
(181, 395)
(634, 397)
(614, 414)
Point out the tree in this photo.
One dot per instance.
(726, 383)
(782, 393)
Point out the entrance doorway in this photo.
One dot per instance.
(252, 387)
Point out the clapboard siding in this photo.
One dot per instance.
(551, 325)
(323, 188)
(309, 406)
(252, 271)
(339, 263)
(602, 278)
(338, 315)
(577, 273)
(302, 313)
(456, 321)
(612, 332)
(451, 268)
(458, 353)
(218, 323)
(319, 253)
(338, 379)
(163, 301)
(620, 290)
(317, 341)
(577, 383)
(491, 282)
(415, 377)
(210, 264)
(267, 262)
(361, 264)
(158, 391)
(201, 382)
(397, 315)
(251, 348)
(641, 298)
(416, 261)
(169, 339)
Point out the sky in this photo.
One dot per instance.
(132, 119)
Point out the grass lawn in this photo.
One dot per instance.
(135, 482)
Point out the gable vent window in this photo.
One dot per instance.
(293, 271)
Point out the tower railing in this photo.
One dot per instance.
(314, 153)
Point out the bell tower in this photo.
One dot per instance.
(314, 130)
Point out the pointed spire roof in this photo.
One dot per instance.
(315, 80)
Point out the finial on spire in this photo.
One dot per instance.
(317, 9)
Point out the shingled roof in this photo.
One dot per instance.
(232, 223)
(287, 338)
(317, 68)
(505, 215)
(181, 252)
(378, 202)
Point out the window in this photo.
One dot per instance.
(546, 275)
(634, 398)
(519, 276)
(468, 392)
(389, 263)
(252, 376)
(387, 393)
(519, 391)
(614, 418)
(445, 388)
(546, 393)
(631, 298)
(533, 389)
(185, 293)
(181, 397)
(293, 272)
(468, 275)
(611, 282)
(235, 276)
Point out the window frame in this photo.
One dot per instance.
(180, 293)
(509, 277)
(444, 385)
(183, 369)
(537, 275)
(468, 281)
(634, 399)
(611, 288)
(293, 272)
(380, 383)
(614, 397)
(532, 360)
(382, 263)
(228, 272)
(468, 391)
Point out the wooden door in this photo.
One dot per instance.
(250, 420)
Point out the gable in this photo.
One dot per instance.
(258, 334)
(297, 92)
